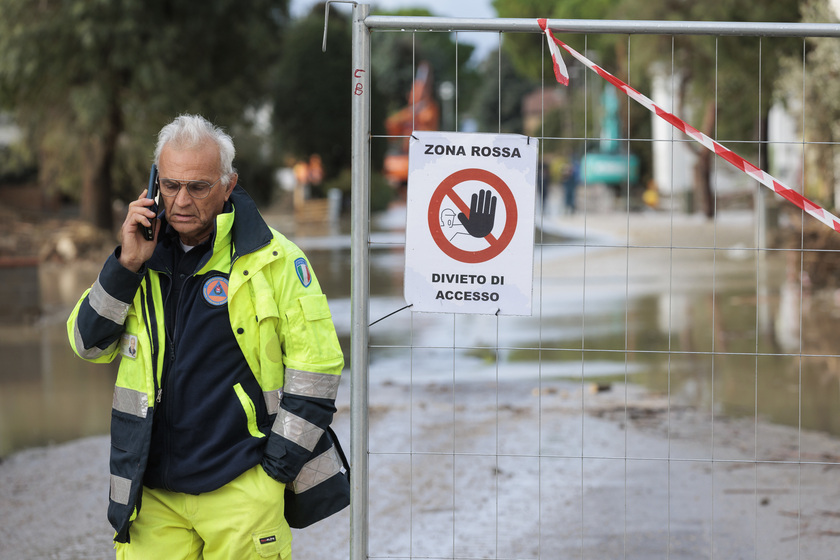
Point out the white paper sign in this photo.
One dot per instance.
(470, 222)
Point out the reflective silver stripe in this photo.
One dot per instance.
(310, 384)
(106, 305)
(120, 489)
(272, 401)
(131, 401)
(316, 471)
(89, 353)
(296, 429)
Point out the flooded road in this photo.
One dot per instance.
(720, 331)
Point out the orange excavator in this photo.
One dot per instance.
(421, 113)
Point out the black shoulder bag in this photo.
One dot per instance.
(322, 488)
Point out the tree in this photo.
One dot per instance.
(499, 109)
(581, 113)
(312, 91)
(525, 51)
(709, 68)
(728, 82)
(814, 86)
(396, 56)
(91, 81)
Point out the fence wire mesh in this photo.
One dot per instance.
(674, 393)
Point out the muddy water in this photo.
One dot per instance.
(47, 395)
(731, 347)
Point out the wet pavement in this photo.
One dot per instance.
(674, 395)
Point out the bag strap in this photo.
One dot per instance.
(340, 451)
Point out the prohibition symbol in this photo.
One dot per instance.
(446, 189)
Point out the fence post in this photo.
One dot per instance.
(360, 284)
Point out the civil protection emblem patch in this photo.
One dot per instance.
(215, 290)
(303, 274)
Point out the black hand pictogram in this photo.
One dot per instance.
(482, 214)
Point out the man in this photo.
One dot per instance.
(231, 383)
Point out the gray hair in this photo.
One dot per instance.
(192, 131)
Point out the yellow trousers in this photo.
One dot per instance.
(239, 521)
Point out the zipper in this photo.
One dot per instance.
(152, 327)
(166, 381)
(151, 332)
(171, 335)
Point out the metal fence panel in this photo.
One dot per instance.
(673, 393)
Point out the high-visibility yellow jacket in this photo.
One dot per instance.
(283, 327)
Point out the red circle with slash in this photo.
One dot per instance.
(447, 189)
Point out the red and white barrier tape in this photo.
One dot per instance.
(562, 76)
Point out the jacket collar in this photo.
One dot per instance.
(248, 232)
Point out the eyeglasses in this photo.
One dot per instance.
(196, 189)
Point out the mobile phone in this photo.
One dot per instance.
(149, 232)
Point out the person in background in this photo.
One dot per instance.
(229, 367)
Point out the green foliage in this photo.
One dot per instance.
(92, 81)
(581, 113)
(381, 193)
(525, 51)
(737, 73)
(312, 91)
(395, 56)
(735, 76)
(256, 163)
(499, 109)
(17, 164)
(814, 91)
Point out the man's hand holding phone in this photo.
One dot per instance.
(140, 228)
(152, 193)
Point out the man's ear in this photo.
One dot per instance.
(233, 178)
